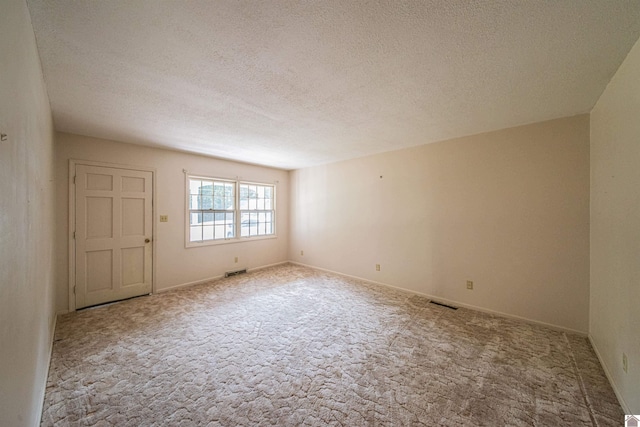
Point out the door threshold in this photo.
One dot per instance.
(104, 304)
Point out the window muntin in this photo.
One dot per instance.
(257, 209)
(212, 209)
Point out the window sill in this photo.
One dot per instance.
(190, 245)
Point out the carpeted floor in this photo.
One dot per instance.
(289, 346)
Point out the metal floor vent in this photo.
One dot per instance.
(443, 305)
(235, 273)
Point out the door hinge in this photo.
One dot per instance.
(74, 290)
(74, 179)
(74, 235)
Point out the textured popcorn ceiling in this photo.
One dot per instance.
(298, 83)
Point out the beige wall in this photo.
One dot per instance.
(615, 229)
(174, 264)
(508, 210)
(26, 223)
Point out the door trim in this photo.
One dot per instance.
(72, 221)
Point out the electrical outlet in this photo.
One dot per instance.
(624, 362)
(469, 284)
(164, 218)
(301, 253)
(235, 259)
(377, 267)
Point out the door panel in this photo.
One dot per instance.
(133, 217)
(99, 217)
(113, 234)
(132, 259)
(99, 267)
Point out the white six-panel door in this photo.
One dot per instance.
(114, 228)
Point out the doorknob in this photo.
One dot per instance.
(147, 240)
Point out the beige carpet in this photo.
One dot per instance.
(289, 346)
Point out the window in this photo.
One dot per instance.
(212, 209)
(224, 210)
(257, 210)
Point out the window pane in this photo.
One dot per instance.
(229, 195)
(244, 224)
(229, 203)
(206, 202)
(195, 218)
(207, 232)
(230, 230)
(194, 202)
(253, 226)
(207, 218)
(230, 225)
(207, 188)
(194, 186)
(218, 193)
(196, 234)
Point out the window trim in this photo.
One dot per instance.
(237, 231)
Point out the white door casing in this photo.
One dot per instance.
(113, 233)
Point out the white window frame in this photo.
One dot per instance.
(236, 212)
(272, 211)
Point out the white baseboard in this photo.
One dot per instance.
(621, 400)
(452, 302)
(52, 332)
(210, 279)
(268, 266)
(187, 284)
